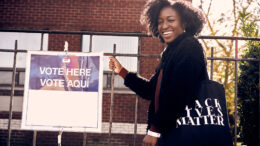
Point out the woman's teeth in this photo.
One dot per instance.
(168, 32)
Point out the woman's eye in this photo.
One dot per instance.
(171, 20)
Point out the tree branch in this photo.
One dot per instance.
(209, 7)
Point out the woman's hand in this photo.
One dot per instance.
(115, 65)
(149, 141)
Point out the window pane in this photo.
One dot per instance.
(85, 43)
(26, 41)
(127, 45)
(105, 81)
(22, 78)
(119, 82)
(5, 77)
(130, 63)
(124, 45)
(6, 59)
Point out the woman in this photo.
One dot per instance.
(182, 66)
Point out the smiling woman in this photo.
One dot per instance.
(174, 87)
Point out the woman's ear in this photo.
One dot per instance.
(184, 26)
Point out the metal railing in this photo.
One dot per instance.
(139, 55)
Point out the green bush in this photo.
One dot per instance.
(248, 85)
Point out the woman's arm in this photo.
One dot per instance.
(139, 85)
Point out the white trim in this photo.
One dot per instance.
(154, 134)
(129, 92)
(117, 128)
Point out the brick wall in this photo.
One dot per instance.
(78, 15)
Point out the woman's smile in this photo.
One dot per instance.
(169, 24)
(167, 34)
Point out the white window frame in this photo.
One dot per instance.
(25, 41)
(124, 45)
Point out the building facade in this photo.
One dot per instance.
(113, 16)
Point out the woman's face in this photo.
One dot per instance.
(169, 24)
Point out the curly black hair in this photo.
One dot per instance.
(193, 18)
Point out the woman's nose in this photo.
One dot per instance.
(165, 25)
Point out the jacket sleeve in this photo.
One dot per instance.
(139, 85)
(181, 78)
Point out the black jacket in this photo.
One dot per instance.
(183, 66)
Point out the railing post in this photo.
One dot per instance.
(236, 68)
(136, 98)
(42, 36)
(34, 137)
(211, 63)
(90, 50)
(112, 100)
(11, 98)
(85, 139)
(259, 103)
(90, 43)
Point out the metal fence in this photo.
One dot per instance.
(15, 82)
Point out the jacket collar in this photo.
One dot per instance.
(178, 39)
(170, 47)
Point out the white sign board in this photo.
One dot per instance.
(63, 91)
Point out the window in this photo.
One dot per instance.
(124, 45)
(25, 41)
